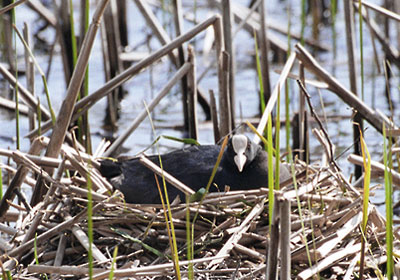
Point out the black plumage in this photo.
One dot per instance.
(193, 166)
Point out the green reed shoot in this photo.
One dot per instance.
(113, 264)
(166, 207)
(277, 140)
(303, 229)
(189, 239)
(270, 169)
(35, 253)
(367, 179)
(387, 160)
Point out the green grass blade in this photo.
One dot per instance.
(115, 254)
(367, 178)
(270, 170)
(168, 213)
(387, 156)
(277, 140)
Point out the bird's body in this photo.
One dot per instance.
(193, 166)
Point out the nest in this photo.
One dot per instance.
(314, 229)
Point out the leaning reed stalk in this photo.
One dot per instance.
(90, 224)
(387, 160)
(367, 178)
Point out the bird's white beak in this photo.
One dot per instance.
(239, 143)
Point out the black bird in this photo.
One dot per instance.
(244, 165)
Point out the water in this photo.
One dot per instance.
(143, 87)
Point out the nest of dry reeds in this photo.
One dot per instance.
(314, 229)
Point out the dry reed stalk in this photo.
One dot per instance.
(164, 39)
(169, 178)
(351, 51)
(43, 12)
(192, 94)
(231, 67)
(264, 51)
(39, 160)
(26, 96)
(11, 105)
(65, 114)
(381, 10)
(376, 167)
(390, 51)
(11, 6)
(214, 117)
(18, 178)
(30, 74)
(225, 114)
(347, 96)
(273, 245)
(271, 102)
(236, 236)
(157, 28)
(285, 231)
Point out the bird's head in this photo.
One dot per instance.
(241, 150)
